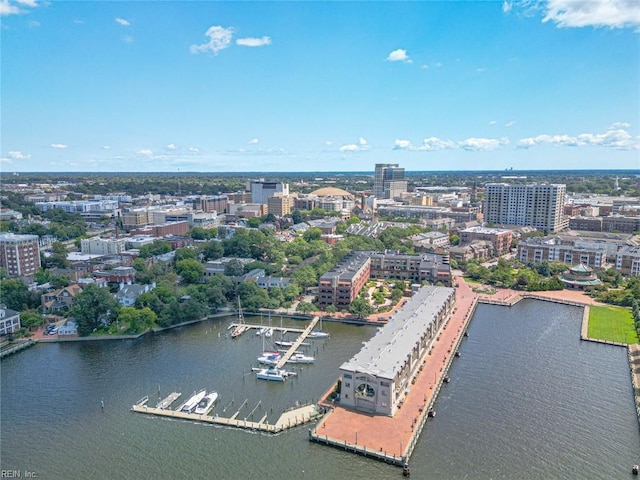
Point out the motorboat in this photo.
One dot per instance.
(261, 330)
(269, 357)
(301, 358)
(273, 374)
(318, 334)
(268, 332)
(284, 343)
(206, 403)
(192, 403)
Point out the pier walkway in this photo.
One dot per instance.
(392, 439)
(289, 419)
(301, 338)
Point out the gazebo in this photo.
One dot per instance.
(580, 277)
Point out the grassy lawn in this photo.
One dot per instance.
(614, 324)
(472, 280)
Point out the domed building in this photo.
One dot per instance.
(580, 277)
(334, 199)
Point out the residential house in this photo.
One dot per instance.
(59, 299)
(128, 294)
(9, 320)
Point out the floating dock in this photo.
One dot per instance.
(301, 338)
(168, 401)
(289, 419)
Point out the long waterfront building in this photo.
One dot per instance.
(378, 377)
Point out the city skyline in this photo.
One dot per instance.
(326, 86)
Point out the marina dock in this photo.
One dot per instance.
(289, 419)
(301, 338)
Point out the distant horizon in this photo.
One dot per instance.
(635, 172)
(275, 86)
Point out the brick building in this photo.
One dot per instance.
(19, 254)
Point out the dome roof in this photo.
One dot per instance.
(331, 192)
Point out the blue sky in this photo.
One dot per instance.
(319, 86)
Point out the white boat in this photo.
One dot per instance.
(284, 343)
(268, 332)
(206, 403)
(269, 357)
(192, 403)
(301, 358)
(261, 330)
(273, 374)
(318, 334)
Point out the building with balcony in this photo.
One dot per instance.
(429, 267)
(500, 238)
(535, 205)
(341, 285)
(102, 246)
(628, 261)
(553, 249)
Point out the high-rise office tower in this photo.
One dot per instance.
(536, 205)
(388, 180)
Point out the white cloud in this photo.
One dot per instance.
(492, 122)
(122, 21)
(34, 24)
(253, 141)
(477, 144)
(402, 145)
(328, 143)
(28, 3)
(59, 146)
(510, 124)
(253, 42)
(593, 13)
(106, 147)
(480, 69)
(617, 125)
(612, 138)
(399, 55)
(506, 6)
(7, 8)
(361, 146)
(219, 39)
(145, 152)
(171, 146)
(438, 64)
(127, 39)
(5, 160)
(194, 150)
(432, 144)
(17, 155)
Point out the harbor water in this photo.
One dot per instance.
(527, 399)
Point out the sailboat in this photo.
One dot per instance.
(269, 331)
(319, 333)
(240, 327)
(269, 357)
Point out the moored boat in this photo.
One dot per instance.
(192, 403)
(206, 403)
(269, 357)
(301, 358)
(273, 374)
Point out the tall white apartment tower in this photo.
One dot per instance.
(388, 180)
(536, 205)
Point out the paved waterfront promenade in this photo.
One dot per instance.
(393, 438)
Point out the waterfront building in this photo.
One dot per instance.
(377, 378)
(554, 249)
(580, 277)
(429, 267)
(628, 260)
(341, 285)
(9, 320)
(500, 238)
(59, 299)
(535, 205)
(388, 181)
(19, 254)
(102, 246)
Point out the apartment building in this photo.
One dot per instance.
(500, 238)
(19, 254)
(430, 267)
(551, 249)
(388, 181)
(628, 261)
(341, 285)
(279, 205)
(102, 246)
(214, 203)
(535, 205)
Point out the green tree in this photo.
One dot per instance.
(305, 276)
(185, 253)
(304, 307)
(212, 250)
(199, 233)
(15, 294)
(91, 306)
(312, 234)
(360, 307)
(58, 256)
(31, 318)
(190, 270)
(234, 268)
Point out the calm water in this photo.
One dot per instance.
(527, 400)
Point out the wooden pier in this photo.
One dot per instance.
(168, 401)
(301, 338)
(289, 419)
